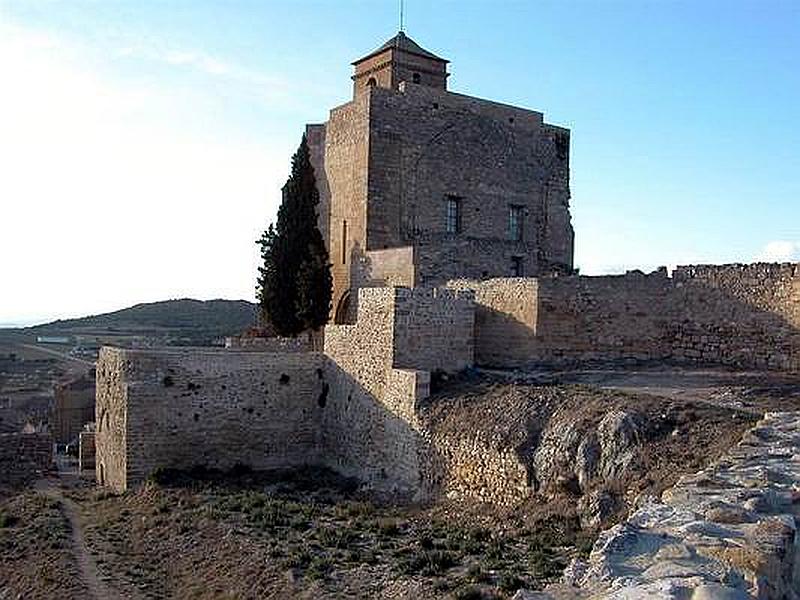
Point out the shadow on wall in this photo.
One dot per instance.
(745, 316)
(219, 409)
(364, 438)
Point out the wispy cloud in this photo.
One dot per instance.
(779, 251)
(277, 88)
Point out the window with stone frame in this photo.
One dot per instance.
(453, 214)
(516, 216)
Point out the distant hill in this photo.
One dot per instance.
(193, 318)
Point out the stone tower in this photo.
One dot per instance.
(397, 61)
(419, 185)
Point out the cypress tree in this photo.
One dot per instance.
(294, 284)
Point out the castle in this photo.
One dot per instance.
(419, 185)
(447, 220)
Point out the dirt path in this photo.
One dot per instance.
(98, 588)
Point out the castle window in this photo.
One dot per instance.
(453, 216)
(515, 220)
(344, 242)
(371, 82)
(516, 266)
(415, 78)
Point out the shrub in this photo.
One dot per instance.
(510, 582)
(319, 567)
(428, 562)
(7, 520)
(470, 592)
(477, 574)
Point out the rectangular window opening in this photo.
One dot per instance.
(344, 241)
(453, 217)
(515, 222)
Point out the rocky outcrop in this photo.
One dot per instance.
(729, 531)
(585, 459)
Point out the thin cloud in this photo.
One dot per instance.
(283, 89)
(779, 251)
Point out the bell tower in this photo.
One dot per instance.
(400, 59)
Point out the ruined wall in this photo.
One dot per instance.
(740, 315)
(86, 452)
(728, 531)
(73, 407)
(217, 408)
(24, 457)
(111, 431)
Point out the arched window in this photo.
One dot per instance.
(415, 78)
(371, 82)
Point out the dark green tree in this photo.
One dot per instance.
(294, 283)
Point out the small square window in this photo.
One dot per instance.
(453, 215)
(516, 216)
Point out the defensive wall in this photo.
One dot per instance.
(352, 408)
(745, 316)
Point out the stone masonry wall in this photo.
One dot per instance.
(111, 431)
(345, 173)
(180, 409)
(505, 318)
(384, 268)
(740, 315)
(86, 452)
(371, 429)
(24, 457)
(434, 329)
(73, 407)
(427, 144)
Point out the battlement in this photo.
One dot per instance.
(746, 316)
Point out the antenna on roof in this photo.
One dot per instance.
(402, 6)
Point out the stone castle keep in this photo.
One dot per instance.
(419, 185)
(448, 226)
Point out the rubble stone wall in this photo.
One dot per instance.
(86, 452)
(747, 316)
(738, 315)
(371, 430)
(426, 145)
(24, 457)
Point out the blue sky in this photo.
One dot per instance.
(144, 143)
